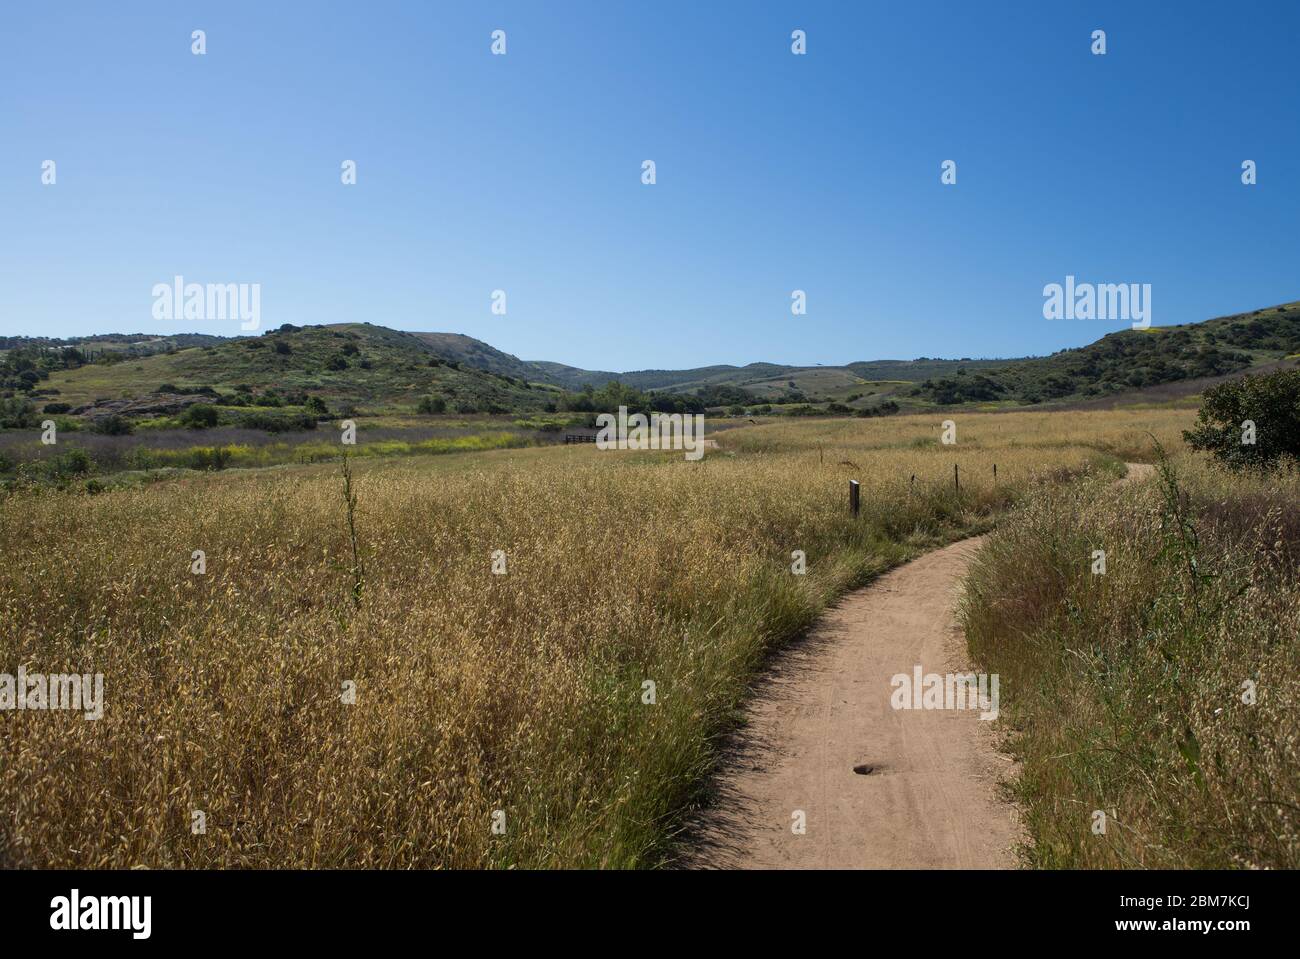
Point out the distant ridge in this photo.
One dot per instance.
(362, 363)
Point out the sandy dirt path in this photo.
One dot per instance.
(1138, 471)
(930, 798)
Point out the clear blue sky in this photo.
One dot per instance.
(775, 172)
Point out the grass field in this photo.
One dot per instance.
(108, 459)
(476, 692)
(1163, 692)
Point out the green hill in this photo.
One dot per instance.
(478, 355)
(765, 380)
(572, 377)
(123, 344)
(1130, 360)
(373, 369)
(345, 365)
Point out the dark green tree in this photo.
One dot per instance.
(1252, 421)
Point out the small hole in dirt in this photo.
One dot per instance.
(864, 769)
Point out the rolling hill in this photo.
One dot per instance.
(766, 379)
(1131, 360)
(345, 365)
(375, 369)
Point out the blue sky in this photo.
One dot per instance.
(775, 172)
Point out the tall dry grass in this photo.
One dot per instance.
(476, 692)
(1128, 434)
(1127, 690)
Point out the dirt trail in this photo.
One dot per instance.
(930, 799)
(1138, 471)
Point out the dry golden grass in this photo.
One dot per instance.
(1127, 434)
(475, 692)
(1127, 690)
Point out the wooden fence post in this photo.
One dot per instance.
(956, 480)
(855, 503)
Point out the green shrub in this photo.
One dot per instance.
(887, 408)
(17, 414)
(200, 416)
(112, 425)
(70, 464)
(277, 424)
(1269, 403)
(432, 404)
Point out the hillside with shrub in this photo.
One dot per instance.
(345, 367)
(1130, 360)
(360, 367)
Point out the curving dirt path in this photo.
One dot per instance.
(931, 797)
(1137, 471)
